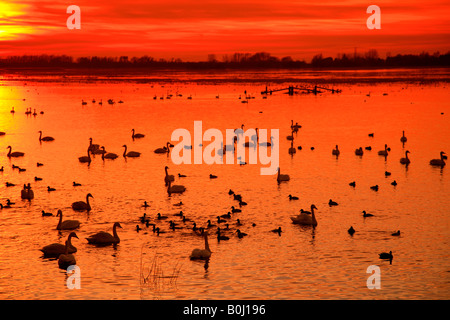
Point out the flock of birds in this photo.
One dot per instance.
(65, 252)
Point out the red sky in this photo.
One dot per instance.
(191, 30)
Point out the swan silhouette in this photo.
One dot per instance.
(405, 160)
(336, 151)
(136, 135)
(131, 154)
(108, 155)
(439, 162)
(175, 188)
(85, 159)
(66, 224)
(168, 178)
(202, 254)
(45, 138)
(55, 249)
(66, 259)
(14, 154)
(81, 205)
(105, 238)
(305, 218)
(282, 177)
(403, 138)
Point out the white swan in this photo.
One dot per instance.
(66, 224)
(305, 218)
(282, 177)
(202, 254)
(105, 238)
(132, 154)
(81, 205)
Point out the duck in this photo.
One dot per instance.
(241, 234)
(50, 189)
(85, 159)
(38, 164)
(131, 154)
(219, 220)
(291, 197)
(384, 152)
(234, 210)
(160, 217)
(352, 184)
(394, 183)
(405, 160)
(108, 155)
(168, 177)
(336, 151)
(175, 188)
(211, 176)
(76, 184)
(292, 150)
(136, 135)
(181, 175)
(55, 249)
(145, 205)
(105, 238)
(396, 234)
(359, 151)
(66, 224)
(332, 203)
(387, 173)
(46, 214)
(81, 205)
(306, 218)
(403, 139)
(374, 188)
(202, 254)
(365, 214)
(439, 162)
(48, 138)
(282, 177)
(221, 237)
(277, 230)
(226, 215)
(66, 259)
(15, 154)
(351, 231)
(385, 255)
(178, 204)
(37, 179)
(238, 222)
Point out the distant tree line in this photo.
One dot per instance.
(370, 59)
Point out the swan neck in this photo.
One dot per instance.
(125, 151)
(207, 244)
(115, 232)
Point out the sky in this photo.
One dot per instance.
(190, 30)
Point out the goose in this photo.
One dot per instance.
(210, 224)
(403, 138)
(234, 210)
(359, 151)
(351, 231)
(365, 214)
(240, 234)
(105, 238)
(66, 259)
(108, 155)
(439, 162)
(76, 184)
(405, 160)
(85, 159)
(131, 154)
(305, 218)
(14, 154)
(66, 224)
(46, 214)
(385, 255)
(1, 169)
(168, 178)
(50, 189)
(352, 184)
(45, 138)
(282, 177)
(165, 149)
(332, 203)
(336, 151)
(136, 135)
(12, 110)
(371, 135)
(291, 197)
(175, 188)
(143, 219)
(56, 249)
(81, 205)
(395, 234)
(383, 152)
(202, 254)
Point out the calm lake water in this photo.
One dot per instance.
(304, 262)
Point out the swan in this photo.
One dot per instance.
(81, 205)
(282, 177)
(108, 155)
(175, 188)
(85, 159)
(93, 147)
(132, 154)
(439, 162)
(202, 254)
(292, 150)
(383, 152)
(267, 144)
(105, 238)
(220, 236)
(66, 224)
(365, 214)
(359, 151)
(45, 138)
(336, 151)
(164, 149)
(305, 218)
(405, 160)
(168, 178)
(66, 259)
(56, 249)
(403, 138)
(291, 197)
(136, 135)
(14, 154)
